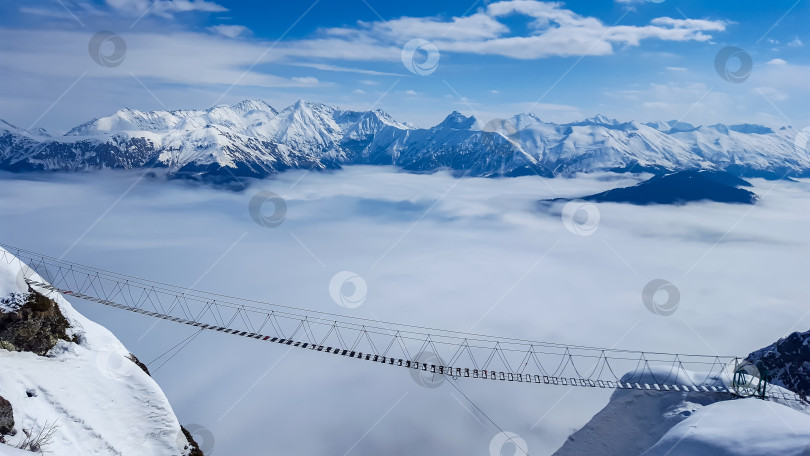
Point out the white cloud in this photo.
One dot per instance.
(181, 57)
(230, 31)
(46, 12)
(796, 42)
(344, 69)
(306, 80)
(556, 31)
(697, 103)
(197, 58)
(478, 26)
(707, 103)
(784, 76)
(165, 8)
(773, 94)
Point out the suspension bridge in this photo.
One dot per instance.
(432, 351)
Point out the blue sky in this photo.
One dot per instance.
(627, 59)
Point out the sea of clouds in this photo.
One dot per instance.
(464, 254)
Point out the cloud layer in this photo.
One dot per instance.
(435, 251)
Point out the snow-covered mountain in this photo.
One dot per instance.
(68, 378)
(251, 138)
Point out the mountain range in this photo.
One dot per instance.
(253, 139)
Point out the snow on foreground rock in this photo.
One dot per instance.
(101, 402)
(651, 423)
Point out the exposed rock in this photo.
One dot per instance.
(6, 417)
(787, 362)
(138, 362)
(195, 448)
(31, 322)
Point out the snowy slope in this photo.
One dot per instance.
(6, 450)
(738, 428)
(751, 148)
(634, 420)
(102, 403)
(457, 143)
(652, 423)
(251, 138)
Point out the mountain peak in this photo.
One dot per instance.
(127, 112)
(388, 120)
(672, 126)
(528, 116)
(309, 106)
(247, 106)
(676, 126)
(459, 121)
(748, 128)
(597, 120)
(302, 103)
(600, 119)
